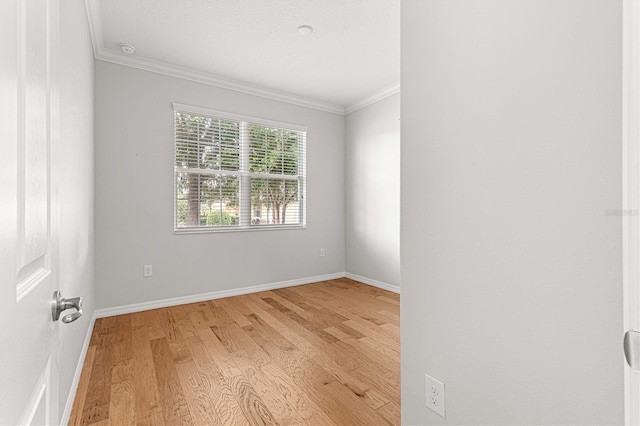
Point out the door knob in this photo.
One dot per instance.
(632, 349)
(61, 304)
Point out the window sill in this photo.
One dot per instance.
(255, 228)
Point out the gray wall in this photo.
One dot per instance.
(73, 180)
(372, 185)
(134, 196)
(511, 156)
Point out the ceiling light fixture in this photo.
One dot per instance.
(305, 30)
(127, 48)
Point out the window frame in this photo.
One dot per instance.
(244, 184)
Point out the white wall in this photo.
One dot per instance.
(134, 196)
(73, 180)
(511, 156)
(372, 185)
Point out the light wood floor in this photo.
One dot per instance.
(318, 354)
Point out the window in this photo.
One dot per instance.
(237, 173)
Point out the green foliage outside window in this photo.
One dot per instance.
(210, 172)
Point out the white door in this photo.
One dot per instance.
(631, 201)
(28, 244)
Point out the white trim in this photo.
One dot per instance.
(163, 303)
(25, 286)
(95, 25)
(217, 81)
(239, 228)
(375, 283)
(66, 415)
(373, 98)
(237, 117)
(631, 195)
(102, 53)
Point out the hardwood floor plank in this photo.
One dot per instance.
(384, 349)
(151, 320)
(388, 299)
(386, 369)
(376, 333)
(210, 315)
(326, 353)
(155, 419)
(282, 411)
(172, 398)
(105, 422)
(260, 330)
(393, 329)
(312, 345)
(315, 329)
(390, 389)
(180, 325)
(219, 354)
(122, 405)
(364, 314)
(357, 407)
(251, 404)
(319, 315)
(234, 338)
(308, 410)
(298, 366)
(362, 297)
(325, 360)
(391, 316)
(349, 331)
(391, 412)
(235, 309)
(123, 334)
(122, 408)
(263, 311)
(147, 396)
(340, 335)
(226, 406)
(197, 388)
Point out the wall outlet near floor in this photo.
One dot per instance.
(435, 394)
(147, 271)
(321, 252)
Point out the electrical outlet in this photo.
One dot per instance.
(147, 271)
(435, 394)
(321, 252)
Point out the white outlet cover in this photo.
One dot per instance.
(434, 391)
(147, 271)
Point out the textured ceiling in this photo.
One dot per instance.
(353, 53)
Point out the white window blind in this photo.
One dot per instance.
(237, 173)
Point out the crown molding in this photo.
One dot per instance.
(212, 80)
(100, 52)
(104, 54)
(373, 98)
(95, 25)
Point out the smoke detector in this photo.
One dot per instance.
(127, 48)
(305, 30)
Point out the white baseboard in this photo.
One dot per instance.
(155, 304)
(76, 377)
(374, 283)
